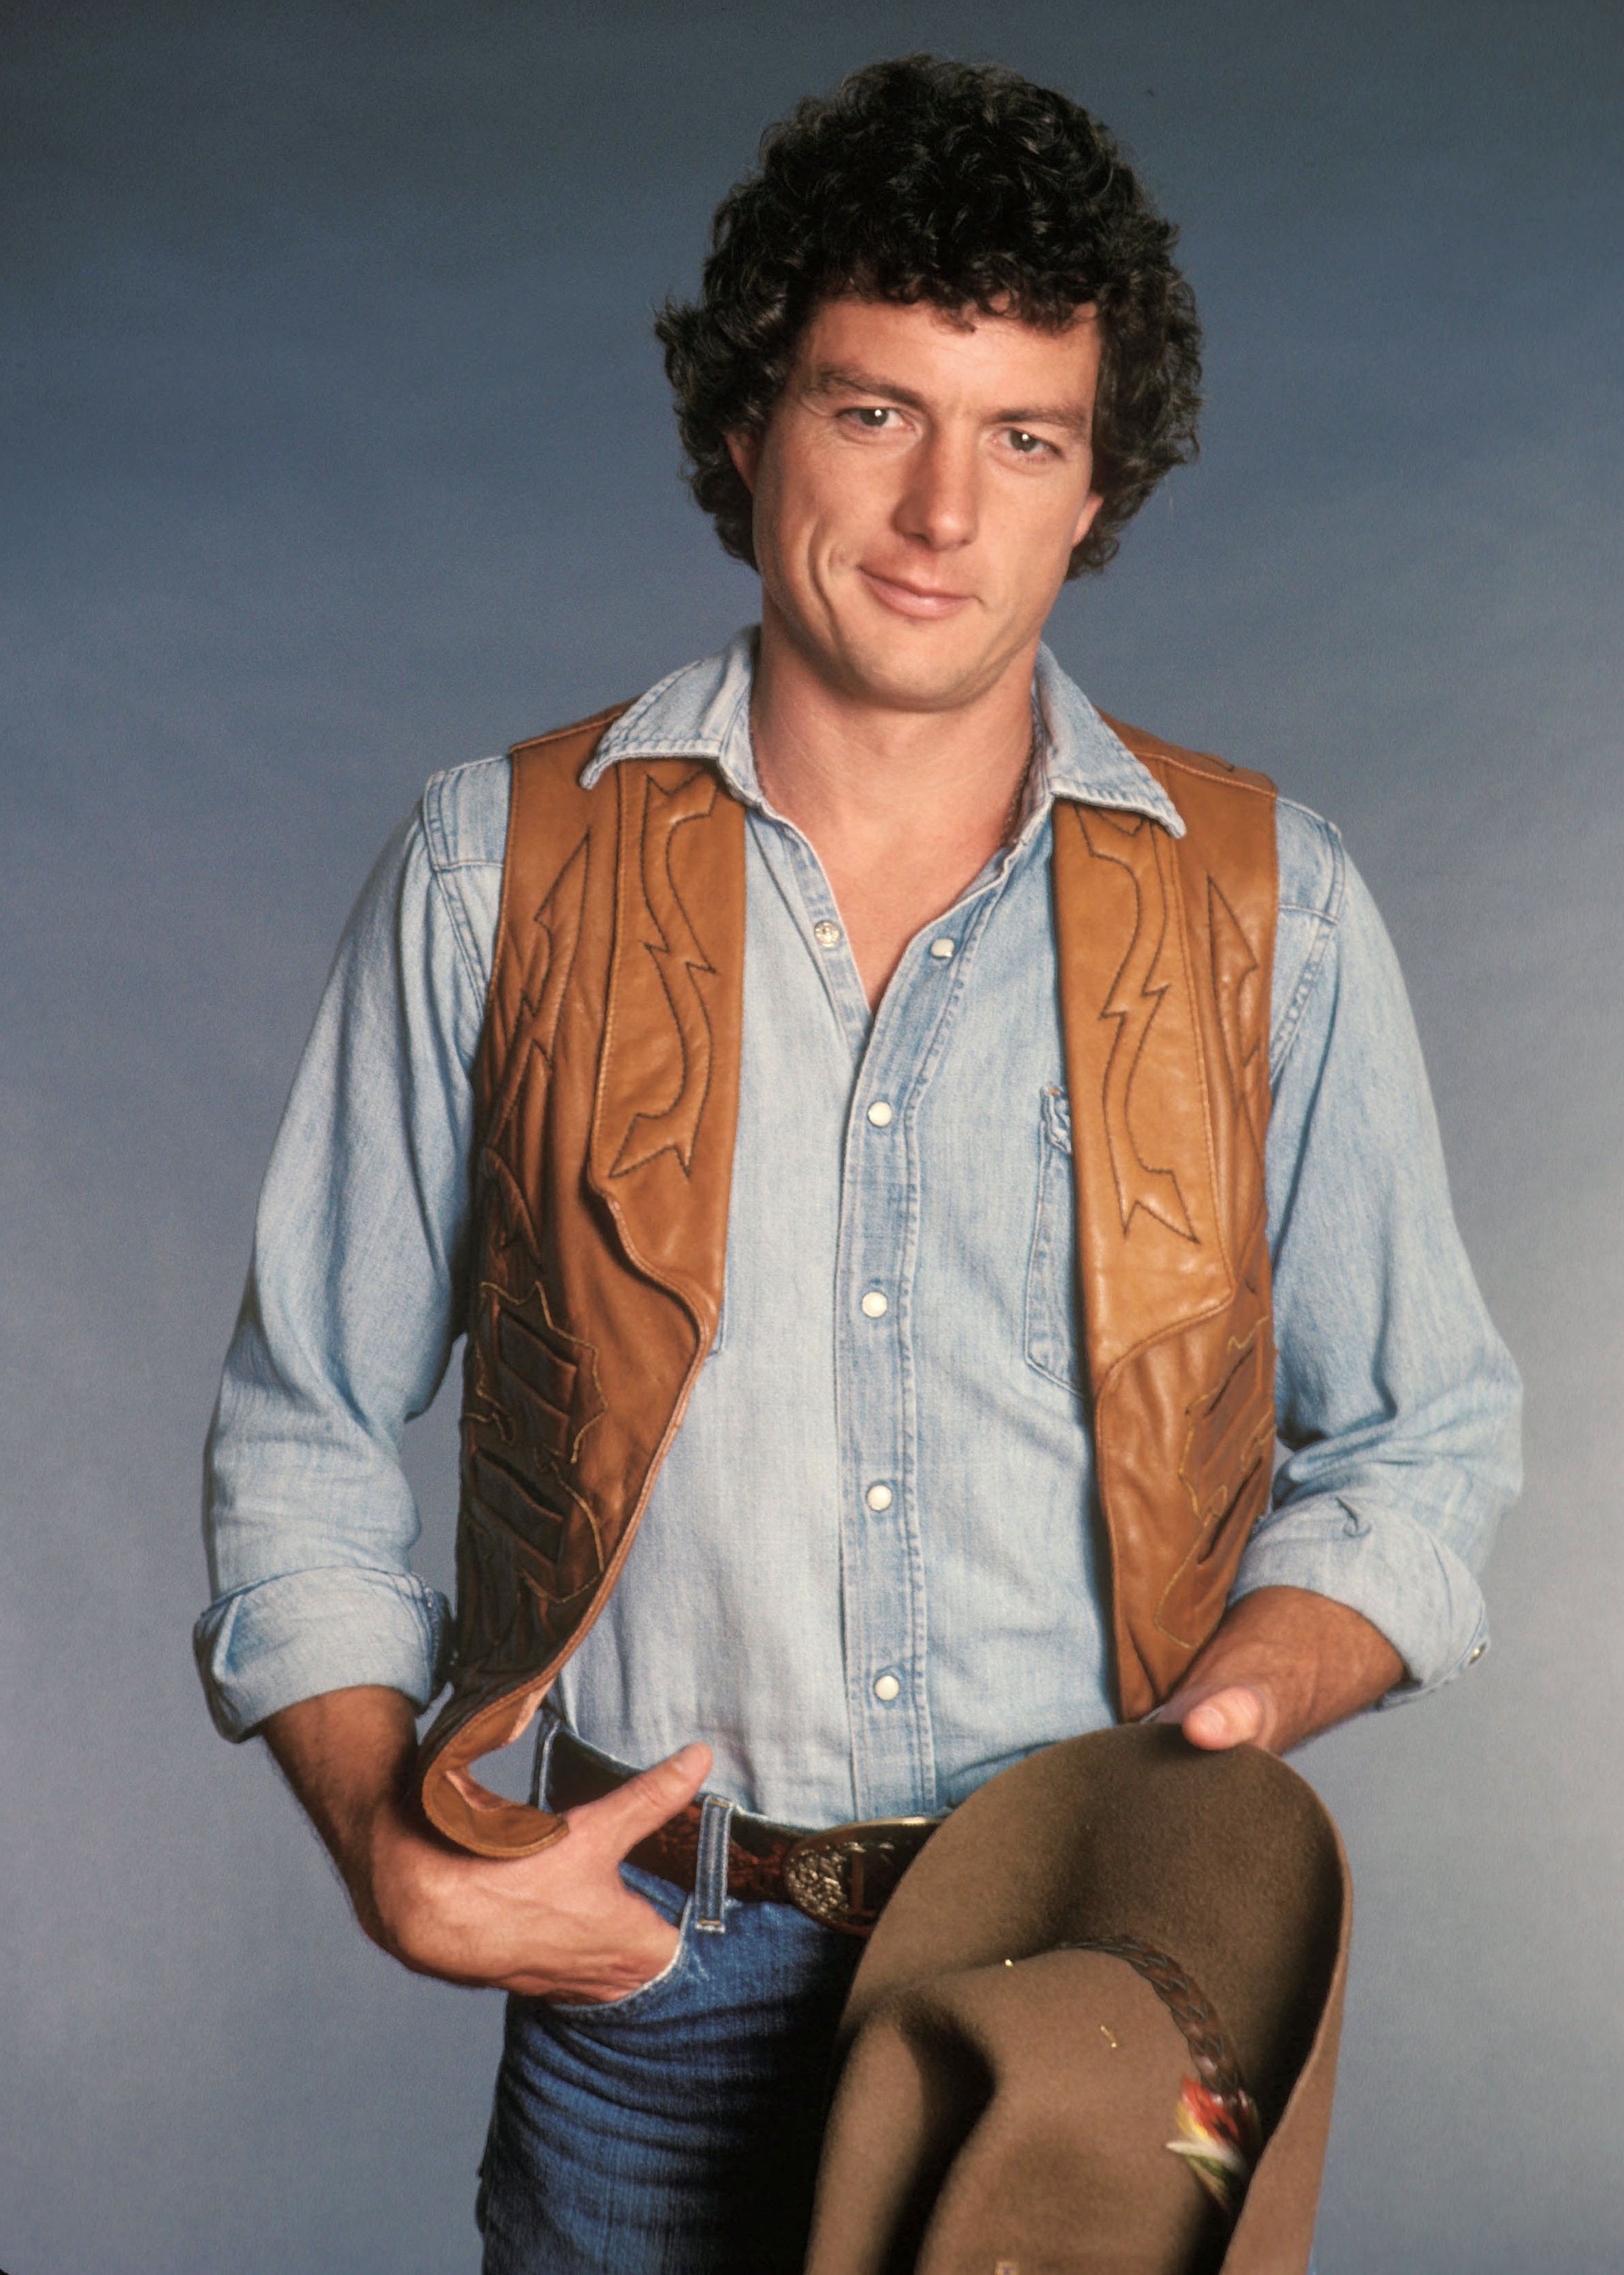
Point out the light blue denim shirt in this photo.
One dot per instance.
(869, 1572)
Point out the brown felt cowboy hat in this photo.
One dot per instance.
(1096, 2028)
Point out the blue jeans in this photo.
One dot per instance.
(674, 2131)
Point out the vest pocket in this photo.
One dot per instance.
(1052, 1347)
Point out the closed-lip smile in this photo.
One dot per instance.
(912, 599)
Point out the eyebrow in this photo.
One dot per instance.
(849, 379)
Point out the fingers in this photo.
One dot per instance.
(633, 1811)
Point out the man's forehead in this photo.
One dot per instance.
(845, 311)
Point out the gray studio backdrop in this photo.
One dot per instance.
(336, 451)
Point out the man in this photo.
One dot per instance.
(757, 1077)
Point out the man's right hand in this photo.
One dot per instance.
(560, 1924)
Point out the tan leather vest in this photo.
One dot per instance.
(606, 1097)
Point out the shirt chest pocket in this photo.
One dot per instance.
(1052, 1338)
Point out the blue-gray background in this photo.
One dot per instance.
(336, 451)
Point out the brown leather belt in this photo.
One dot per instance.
(843, 1878)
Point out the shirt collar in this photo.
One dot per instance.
(703, 712)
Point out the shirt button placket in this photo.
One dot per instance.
(881, 1551)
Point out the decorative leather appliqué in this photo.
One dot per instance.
(1224, 1468)
(679, 1059)
(559, 920)
(1142, 981)
(1230, 1429)
(548, 959)
(1234, 965)
(539, 1401)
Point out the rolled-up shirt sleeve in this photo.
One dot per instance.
(1398, 1404)
(356, 1289)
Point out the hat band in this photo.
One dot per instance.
(1223, 2134)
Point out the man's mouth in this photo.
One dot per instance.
(909, 598)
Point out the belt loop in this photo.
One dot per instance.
(548, 1727)
(710, 1876)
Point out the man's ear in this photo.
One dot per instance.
(744, 450)
(1091, 504)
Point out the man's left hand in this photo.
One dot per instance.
(1283, 1665)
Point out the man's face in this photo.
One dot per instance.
(918, 489)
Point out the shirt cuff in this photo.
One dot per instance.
(1408, 1582)
(268, 1646)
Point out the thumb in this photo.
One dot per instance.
(1234, 1716)
(633, 1811)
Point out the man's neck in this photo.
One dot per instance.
(903, 806)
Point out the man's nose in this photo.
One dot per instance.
(940, 503)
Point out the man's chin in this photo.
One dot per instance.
(922, 676)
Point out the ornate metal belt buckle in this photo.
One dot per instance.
(846, 1877)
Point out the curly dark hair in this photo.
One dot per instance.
(965, 186)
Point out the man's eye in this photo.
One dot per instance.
(871, 416)
(1028, 446)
